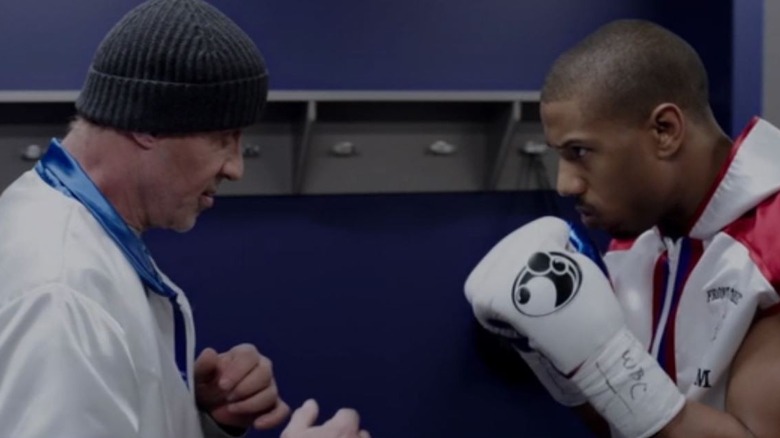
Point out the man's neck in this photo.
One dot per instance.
(105, 157)
(703, 173)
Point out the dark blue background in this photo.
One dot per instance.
(402, 45)
(358, 299)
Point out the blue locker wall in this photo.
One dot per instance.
(341, 44)
(392, 45)
(359, 302)
(358, 299)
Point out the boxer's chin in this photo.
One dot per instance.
(621, 231)
(593, 220)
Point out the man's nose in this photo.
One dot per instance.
(569, 182)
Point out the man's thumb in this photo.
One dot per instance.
(302, 419)
(206, 365)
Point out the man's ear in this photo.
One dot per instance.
(668, 126)
(146, 141)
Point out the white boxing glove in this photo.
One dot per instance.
(562, 389)
(532, 284)
(528, 283)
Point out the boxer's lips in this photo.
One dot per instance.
(585, 211)
(587, 215)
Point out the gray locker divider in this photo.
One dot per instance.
(342, 141)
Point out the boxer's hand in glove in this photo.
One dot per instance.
(532, 284)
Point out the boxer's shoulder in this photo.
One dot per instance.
(756, 230)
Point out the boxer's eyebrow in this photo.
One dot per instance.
(567, 144)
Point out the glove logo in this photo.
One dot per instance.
(547, 283)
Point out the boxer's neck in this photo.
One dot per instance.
(702, 167)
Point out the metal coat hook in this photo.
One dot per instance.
(442, 148)
(343, 149)
(32, 152)
(251, 151)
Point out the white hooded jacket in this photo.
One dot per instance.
(86, 350)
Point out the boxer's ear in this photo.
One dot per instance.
(667, 123)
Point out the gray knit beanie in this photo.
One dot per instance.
(175, 67)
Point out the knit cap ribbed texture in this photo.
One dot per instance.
(175, 67)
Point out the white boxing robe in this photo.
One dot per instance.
(85, 350)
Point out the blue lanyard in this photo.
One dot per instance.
(58, 169)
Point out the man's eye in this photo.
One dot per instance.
(574, 153)
(579, 152)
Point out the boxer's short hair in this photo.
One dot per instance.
(628, 67)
